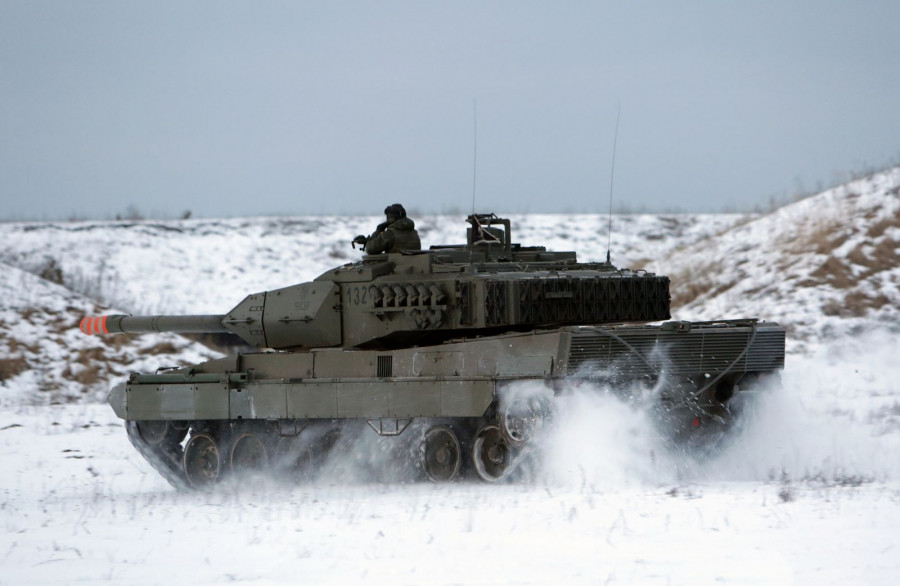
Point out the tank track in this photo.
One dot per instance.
(165, 457)
(495, 447)
(451, 451)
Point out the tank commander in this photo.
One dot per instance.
(395, 234)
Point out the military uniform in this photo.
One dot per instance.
(396, 234)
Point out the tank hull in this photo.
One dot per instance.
(450, 380)
(188, 421)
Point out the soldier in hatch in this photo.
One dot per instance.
(395, 234)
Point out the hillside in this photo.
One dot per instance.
(45, 359)
(826, 266)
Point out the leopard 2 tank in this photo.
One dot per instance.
(426, 346)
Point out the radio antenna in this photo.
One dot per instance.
(612, 174)
(474, 150)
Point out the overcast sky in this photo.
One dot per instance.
(248, 108)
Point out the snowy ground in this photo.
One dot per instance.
(809, 494)
(808, 491)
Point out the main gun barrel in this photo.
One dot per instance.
(136, 324)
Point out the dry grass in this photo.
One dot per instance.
(818, 236)
(10, 367)
(15, 346)
(885, 255)
(878, 254)
(858, 302)
(878, 230)
(835, 273)
(855, 304)
(882, 256)
(90, 375)
(858, 256)
(691, 285)
(640, 264)
(161, 348)
(87, 355)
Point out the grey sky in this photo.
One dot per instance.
(238, 108)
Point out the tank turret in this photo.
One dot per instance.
(489, 285)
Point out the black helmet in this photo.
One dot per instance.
(395, 210)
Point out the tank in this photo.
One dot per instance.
(430, 349)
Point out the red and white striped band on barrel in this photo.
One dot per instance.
(94, 325)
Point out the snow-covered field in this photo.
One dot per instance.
(808, 494)
(808, 491)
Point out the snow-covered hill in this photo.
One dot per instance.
(44, 357)
(826, 266)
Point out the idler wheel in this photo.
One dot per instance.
(491, 453)
(248, 453)
(156, 433)
(202, 461)
(441, 454)
(153, 432)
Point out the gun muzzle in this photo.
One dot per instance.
(95, 325)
